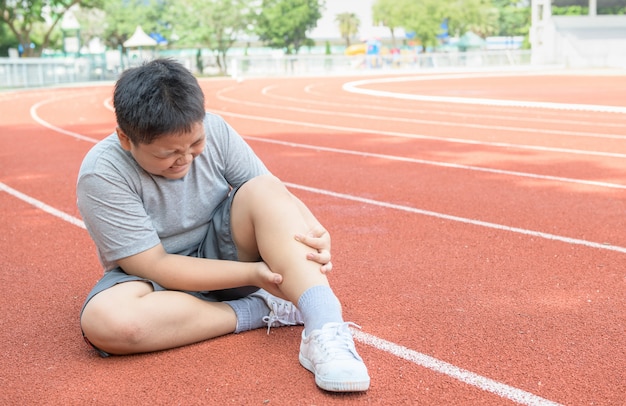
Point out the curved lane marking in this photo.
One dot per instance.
(425, 137)
(440, 164)
(266, 92)
(581, 119)
(108, 105)
(353, 87)
(44, 123)
(414, 136)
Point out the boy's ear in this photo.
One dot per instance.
(124, 140)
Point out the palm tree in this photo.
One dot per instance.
(348, 25)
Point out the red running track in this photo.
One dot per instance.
(479, 242)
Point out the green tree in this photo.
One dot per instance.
(214, 24)
(90, 20)
(348, 25)
(478, 16)
(389, 14)
(7, 40)
(123, 17)
(425, 17)
(27, 17)
(513, 17)
(284, 24)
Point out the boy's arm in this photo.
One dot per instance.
(179, 272)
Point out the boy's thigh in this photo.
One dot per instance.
(102, 311)
(114, 300)
(116, 278)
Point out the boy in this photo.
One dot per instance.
(198, 239)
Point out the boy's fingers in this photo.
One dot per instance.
(318, 243)
(321, 257)
(305, 239)
(327, 267)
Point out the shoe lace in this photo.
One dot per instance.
(281, 313)
(337, 341)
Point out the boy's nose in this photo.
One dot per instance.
(184, 159)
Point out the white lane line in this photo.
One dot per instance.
(399, 351)
(446, 216)
(42, 206)
(463, 375)
(440, 164)
(502, 114)
(44, 123)
(382, 156)
(266, 92)
(480, 223)
(353, 87)
(423, 137)
(349, 129)
(352, 129)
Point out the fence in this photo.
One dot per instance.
(295, 65)
(39, 72)
(33, 72)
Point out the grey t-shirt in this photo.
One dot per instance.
(127, 210)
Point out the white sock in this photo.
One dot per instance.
(250, 311)
(319, 306)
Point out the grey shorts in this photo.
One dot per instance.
(217, 244)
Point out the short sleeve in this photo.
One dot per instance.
(115, 217)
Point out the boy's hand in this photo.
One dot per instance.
(318, 239)
(268, 280)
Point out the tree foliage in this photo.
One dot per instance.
(348, 25)
(513, 17)
(7, 40)
(284, 24)
(213, 24)
(425, 17)
(478, 16)
(26, 17)
(123, 17)
(388, 14)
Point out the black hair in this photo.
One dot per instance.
(159, 97)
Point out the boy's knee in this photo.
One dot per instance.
(110, 331)
(265, 181)
(258, 191)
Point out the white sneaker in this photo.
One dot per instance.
(282, 312)
(330, 354)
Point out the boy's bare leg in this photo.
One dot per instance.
(146, 320)
(130, 317)
(264, 220)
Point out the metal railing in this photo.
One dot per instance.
(295, 65)
(40, 72)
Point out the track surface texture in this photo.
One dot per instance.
(478, 224)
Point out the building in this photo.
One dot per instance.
(591, 41)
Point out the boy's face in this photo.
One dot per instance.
(169, 156)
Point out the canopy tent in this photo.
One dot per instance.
(470, 40)
(139, 39)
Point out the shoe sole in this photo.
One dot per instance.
(335, 386)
